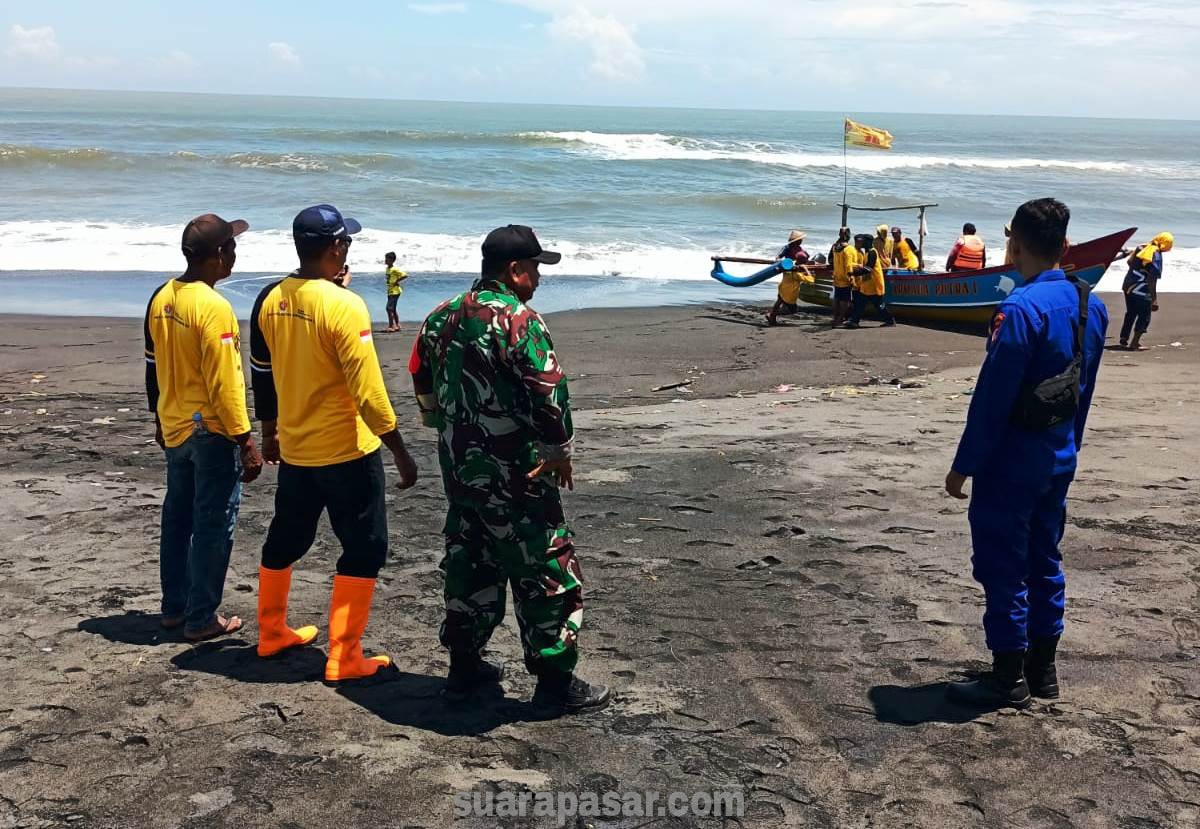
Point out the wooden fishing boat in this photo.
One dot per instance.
(969, 296)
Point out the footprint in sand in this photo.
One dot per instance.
(1187, 631)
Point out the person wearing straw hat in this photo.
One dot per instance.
(789, 284)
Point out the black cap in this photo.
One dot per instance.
(204, 234)
(514, 242)
(323, 221)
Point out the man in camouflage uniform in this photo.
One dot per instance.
(486, 376)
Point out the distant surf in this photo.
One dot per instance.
(657, 146)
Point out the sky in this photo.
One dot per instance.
(1051, 57)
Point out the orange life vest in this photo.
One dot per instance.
(970, 253)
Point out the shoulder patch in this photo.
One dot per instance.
(997, 321)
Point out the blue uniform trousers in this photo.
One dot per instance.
(1015, 532)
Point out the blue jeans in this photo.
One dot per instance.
(1015, 533)
(199, 515)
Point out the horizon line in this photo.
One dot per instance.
(9, 88)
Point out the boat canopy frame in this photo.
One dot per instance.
(920, 208)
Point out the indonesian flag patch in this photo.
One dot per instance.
(227, 339)
(365, 336)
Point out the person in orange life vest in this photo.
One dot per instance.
(789, 283)
(968, 253)
(905, 254)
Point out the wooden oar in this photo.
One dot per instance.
(747, 260)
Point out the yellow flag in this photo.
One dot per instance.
(860, 135)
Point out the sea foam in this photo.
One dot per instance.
(107, 246)
(658, 147)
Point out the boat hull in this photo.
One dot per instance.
(970, 296)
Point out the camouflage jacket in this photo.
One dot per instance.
(486, 377)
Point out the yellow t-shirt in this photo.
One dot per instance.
(789, 285)
(906, 255)
(193, 345)
(844, 262)
(315, 370)
(394, 277)
(872, 284)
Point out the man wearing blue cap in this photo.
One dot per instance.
(319, 392)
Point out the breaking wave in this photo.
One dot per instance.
(658, 147)
(110, 246)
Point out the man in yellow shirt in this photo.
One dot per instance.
(905, 254)
(871, 286)
(319, 392)
(844, 259)
(197, 391)
(883, 244)
(394, 277)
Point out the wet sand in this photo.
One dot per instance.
(777, 589)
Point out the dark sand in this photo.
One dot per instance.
(776, 586)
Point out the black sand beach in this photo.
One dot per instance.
(777, 588)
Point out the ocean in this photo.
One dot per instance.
(95, 188)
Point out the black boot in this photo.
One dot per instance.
(1003, 687)
(468, 671)
(569, 693)
(1040, 672)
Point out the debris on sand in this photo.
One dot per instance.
(669, 386)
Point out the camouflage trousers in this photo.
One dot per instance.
(526, 544)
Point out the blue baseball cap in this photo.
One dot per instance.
(323, 221)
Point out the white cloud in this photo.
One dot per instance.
(38, 43)
(616, 56)
(285, 55)
(438, 8)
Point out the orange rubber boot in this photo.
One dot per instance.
(348, 611)
(273, 633)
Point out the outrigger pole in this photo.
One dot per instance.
(846, 208)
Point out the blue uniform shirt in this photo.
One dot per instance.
(1032, 338)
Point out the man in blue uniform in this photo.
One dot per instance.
(1024, 429)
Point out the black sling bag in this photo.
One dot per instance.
(1055, 400)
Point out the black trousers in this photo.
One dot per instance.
(1137, 315)
(861, 301)
(352, 493)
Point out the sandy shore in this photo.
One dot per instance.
(777, 588)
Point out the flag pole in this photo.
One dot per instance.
(845, 174)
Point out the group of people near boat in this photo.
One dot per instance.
(859, 278)
(858, 262)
